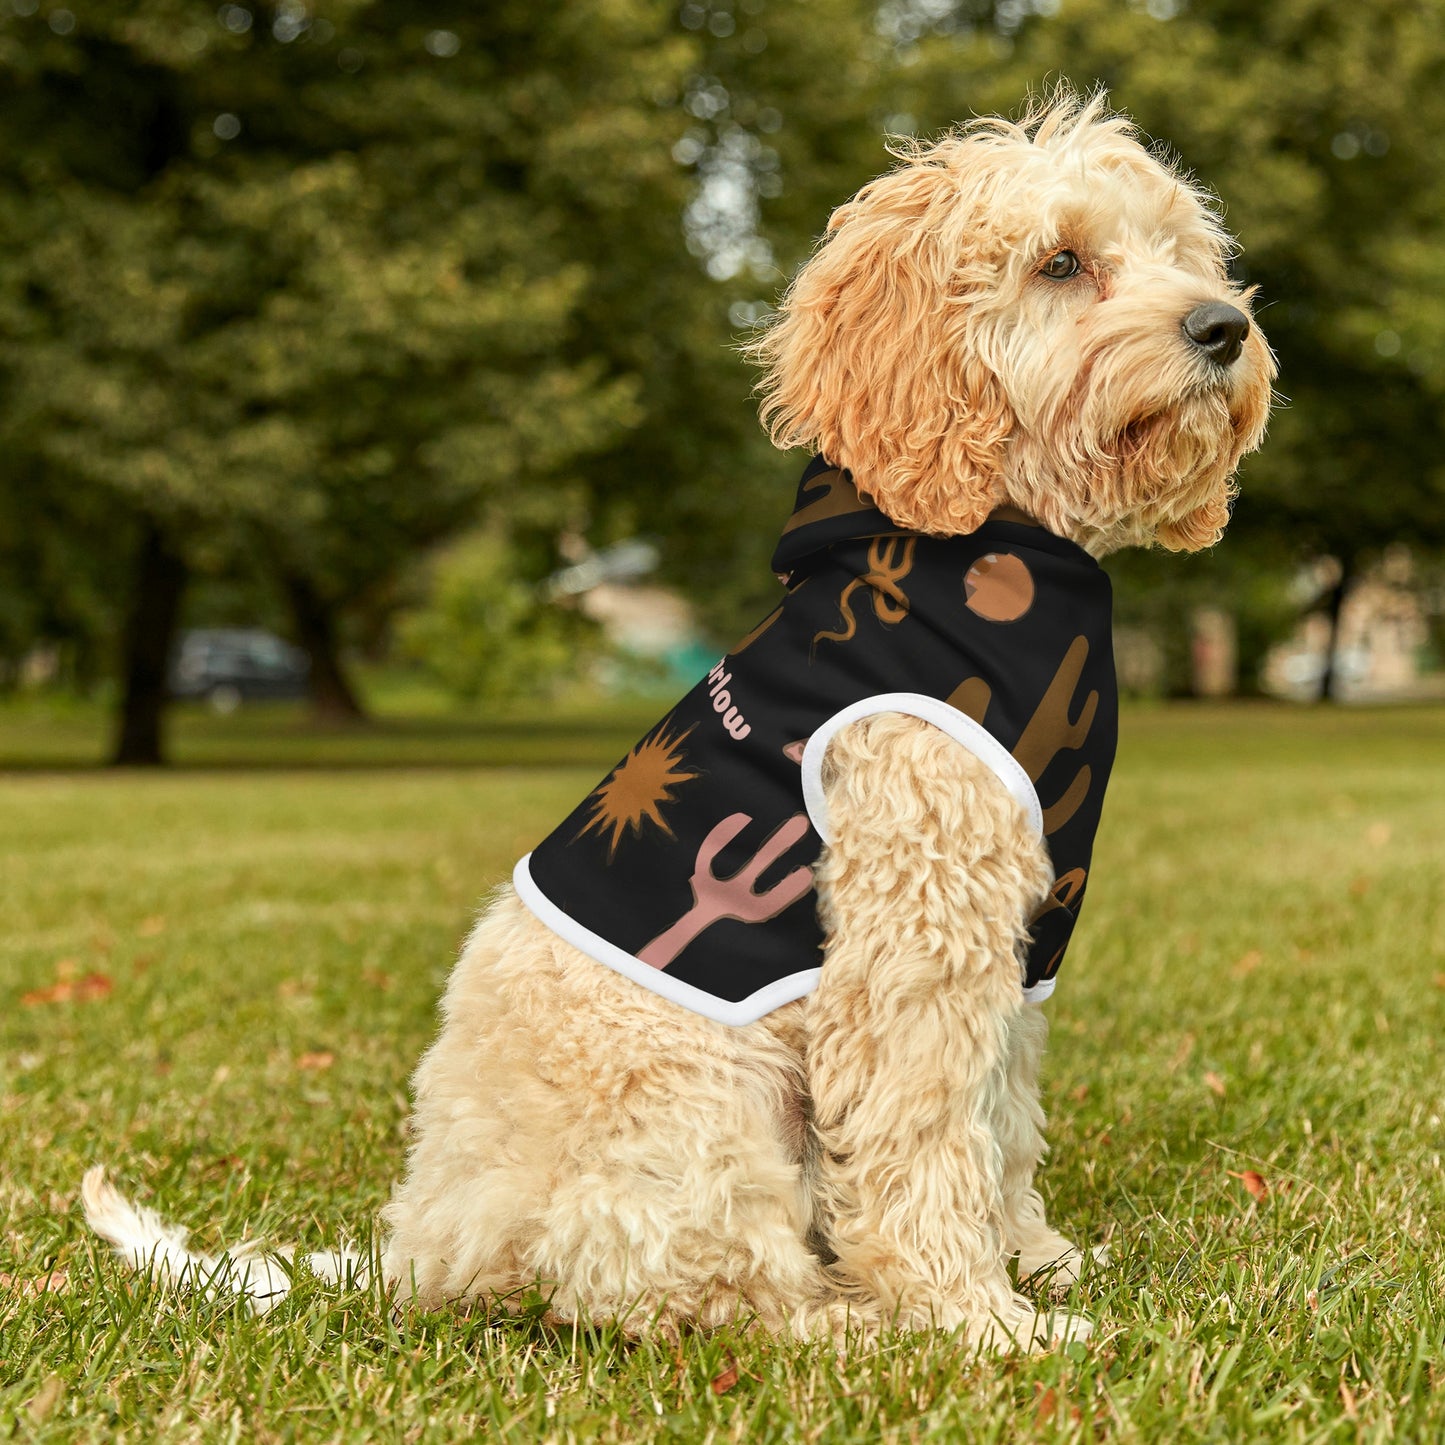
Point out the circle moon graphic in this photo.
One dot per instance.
(998, 587)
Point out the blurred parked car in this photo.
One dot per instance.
(230, 665)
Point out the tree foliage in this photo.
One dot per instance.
(300, 290)
(484, 632)
(312, 289)
(306, 288)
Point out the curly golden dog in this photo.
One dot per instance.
(1030, 321)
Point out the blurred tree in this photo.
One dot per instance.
(315, 283)
(486, 633)
(59, 574)
(306, 284)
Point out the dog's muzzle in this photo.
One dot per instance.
(1218, 330)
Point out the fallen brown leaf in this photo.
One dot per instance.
(56, 1282)
(1181, 1054)
(377, 978)
(320, 1059)
(1046, 1408)
(1360, 886)
(1080, 1094)
(82, 990)
(1214, 1083)
(724, 1382)
(1254, 1182)
(1440, 980)
(1248, 963)
(45, 1399)
(56, 993)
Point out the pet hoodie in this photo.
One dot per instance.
(689, 867)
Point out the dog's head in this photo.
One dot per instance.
(1033, 313)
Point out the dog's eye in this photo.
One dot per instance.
(1060, 266)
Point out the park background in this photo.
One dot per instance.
(367, 323)
(407, 332)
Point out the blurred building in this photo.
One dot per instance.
(1382, 650)
(655, 641)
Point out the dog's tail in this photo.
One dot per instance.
(147, 1243)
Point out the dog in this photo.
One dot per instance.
(1015, 352)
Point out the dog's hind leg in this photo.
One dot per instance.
(577, 1135)
(680, 1196)
(1019, 1128)
(925, 892)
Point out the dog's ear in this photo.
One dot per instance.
(874, 357)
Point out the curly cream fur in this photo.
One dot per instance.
(923, 898)
(577, 1134)
(921, 348)
(865, 1156)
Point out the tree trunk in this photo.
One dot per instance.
(150, 631)
(1329, 679)
(333, 699)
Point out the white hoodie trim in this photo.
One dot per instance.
(698, 1001)
(959, 726)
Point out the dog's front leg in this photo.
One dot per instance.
(924, 892)
(1019, 1127)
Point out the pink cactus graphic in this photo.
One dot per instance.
(717, 898)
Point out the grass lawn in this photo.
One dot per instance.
(216, 980)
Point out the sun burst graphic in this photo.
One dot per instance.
(637, 788)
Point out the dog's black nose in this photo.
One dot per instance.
(1218, 331)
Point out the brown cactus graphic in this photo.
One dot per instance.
(1064, 894)
(1068, 889)
(832, 494)
(717, 898)
(890, 560)
(1049, 731)
(971, 697)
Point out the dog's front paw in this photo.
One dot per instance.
(1061, 1327)
(1023, 1326)
(1057, 1266)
